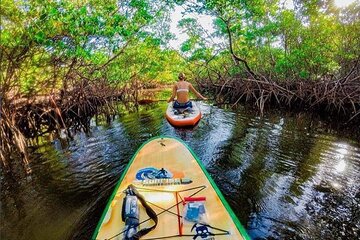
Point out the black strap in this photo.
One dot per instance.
(149, 211)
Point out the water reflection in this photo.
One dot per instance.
(285, 177)
(340, 167)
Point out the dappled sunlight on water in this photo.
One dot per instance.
(284, 176)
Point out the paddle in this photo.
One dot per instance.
(148, 101)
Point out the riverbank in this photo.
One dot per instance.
(337, 102)
(335, 99)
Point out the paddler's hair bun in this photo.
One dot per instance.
(182, 76)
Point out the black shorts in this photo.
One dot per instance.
(182, 105)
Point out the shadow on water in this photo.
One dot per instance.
(286, 177)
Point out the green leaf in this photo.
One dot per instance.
(40, 37)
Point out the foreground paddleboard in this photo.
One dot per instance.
(182, 117)
(166, 172)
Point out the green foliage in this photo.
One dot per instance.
(47, 45)
(312, 41)
(57, 44)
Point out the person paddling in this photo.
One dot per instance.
(181, 92)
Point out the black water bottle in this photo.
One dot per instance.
(130, 215)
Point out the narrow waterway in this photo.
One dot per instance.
(286, 177)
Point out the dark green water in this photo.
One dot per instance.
(285, 177)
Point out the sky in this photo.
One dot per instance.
(343, 3)
(206, 21)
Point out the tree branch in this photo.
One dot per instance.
(236, 58)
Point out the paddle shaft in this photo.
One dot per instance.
(165, 100)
